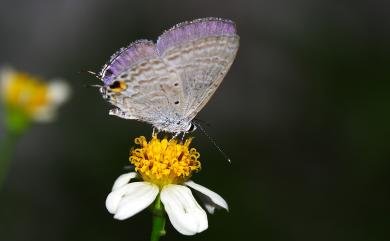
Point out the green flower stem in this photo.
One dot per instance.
(7, 148)
(158, 228)
(16, 122)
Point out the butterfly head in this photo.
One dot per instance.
(106, 75)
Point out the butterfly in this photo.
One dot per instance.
(168, 82)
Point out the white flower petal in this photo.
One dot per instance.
(133, 189)
(123, 180)
(209, 208)
(58, 92)
(138, 196)
(183, 211)
(216, 198)
(113, 199)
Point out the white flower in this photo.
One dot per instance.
(128, 198)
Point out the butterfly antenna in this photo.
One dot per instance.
(93, 86)
(212, 141)
(97, 75)
(94, 74)
(202, 121)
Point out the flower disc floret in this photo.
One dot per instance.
(164, 161)
(26, 92)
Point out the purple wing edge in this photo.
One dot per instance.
(199, 28)
(125, 57)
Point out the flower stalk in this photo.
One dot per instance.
(16, 123)
(158, 228)
(7, 148)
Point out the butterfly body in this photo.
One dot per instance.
(166, 84)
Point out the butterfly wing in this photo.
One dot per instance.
(149, 88)
(201, 52)
(168, 83)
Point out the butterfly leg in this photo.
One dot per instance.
(175, 135)
(154, 132)
(182, 137)
(129, 168)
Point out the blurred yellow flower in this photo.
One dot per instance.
(31, 97)
(165, 167)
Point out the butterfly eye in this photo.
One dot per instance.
(118, 86)
(192, 127)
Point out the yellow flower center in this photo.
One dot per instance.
(164, 162)
(25, 93)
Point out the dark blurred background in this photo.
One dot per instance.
(303, 114)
